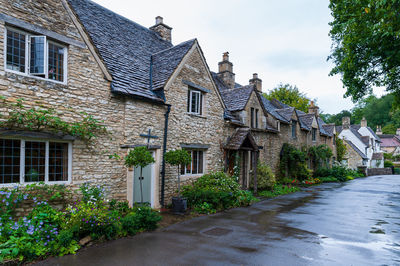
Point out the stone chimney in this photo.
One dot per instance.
(225, 71)
(363, 122)
(398, 132)
(255, 81)
(313, 109)
(346, 122)
(379, 130)
(163, 30)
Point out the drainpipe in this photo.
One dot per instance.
(164, 151)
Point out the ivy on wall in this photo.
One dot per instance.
(41, 118)
(340, 149)
(319, 154)
(293, 163)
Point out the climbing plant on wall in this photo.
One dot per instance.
(293, 163)
(319, 154)
(340, 149)
(18, 116)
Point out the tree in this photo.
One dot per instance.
(289, 95)
(389, 129)
(139, 157)
(337, 118)
(178, 158)
(366, 45)
(340, 150)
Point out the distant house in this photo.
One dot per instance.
(363, 145)
(390, 143)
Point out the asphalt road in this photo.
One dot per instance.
(355, 223)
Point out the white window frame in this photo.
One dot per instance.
(27, 57)
(199, 105)
(191, 155)
(46, 178)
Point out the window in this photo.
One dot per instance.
(334, 139)
(195, 102)
(26, 161)
(314, 134)
(196, 166)
(35, 56)
(253, 117)
(294, 124)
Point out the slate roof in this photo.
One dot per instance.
(235, 99)
(127, 49)
(365, 140)
(286, 113)
(354, 129)
(321, 124)
(377, 156)
(373, 133)
(354, 147)
(238, 138)
(270, 108)
(329, 128)
(165, 62)
(305, 120)
(390, 141)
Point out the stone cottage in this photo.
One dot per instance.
(389, 143)
(79, 57)
(363, 145)
(258, 128)
(75, 56)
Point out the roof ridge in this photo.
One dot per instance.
(126, 19)
(182, 43)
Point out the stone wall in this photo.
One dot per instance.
(379, 171)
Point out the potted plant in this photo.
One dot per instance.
(139, 157)
(178, 158)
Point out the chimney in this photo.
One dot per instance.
(163, 30)
(363, 122)
(346, 122)
(398, 132)
(255, 81)
(379, 130)
(313, 109)
(225, 71)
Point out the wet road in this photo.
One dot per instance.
(356, 223)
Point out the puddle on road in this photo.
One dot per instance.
(377, 231)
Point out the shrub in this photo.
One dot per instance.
(328, 179)
(293, 163)
(388, 163)
(218, 190)
(141, 219)
(279, 190)
(265, 177)
(91, 193)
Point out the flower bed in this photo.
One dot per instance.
(48, 231)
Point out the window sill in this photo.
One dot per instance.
(187, 177)
(35, 77)
(198, 116)
(30, 183)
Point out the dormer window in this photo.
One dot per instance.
(253, 117)
(294, 125)
(195, 102)
(314, 134)
(35, 56)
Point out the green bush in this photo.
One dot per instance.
(397, 171)
(388, 163)
(46, 231)
(265, 177)
(218, 190)
(340, 173)
(279, 189)
(293, 163)
(328, 179)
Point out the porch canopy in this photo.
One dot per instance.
(242, 140)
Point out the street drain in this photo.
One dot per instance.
(217, 231)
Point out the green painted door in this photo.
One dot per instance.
(146, 184)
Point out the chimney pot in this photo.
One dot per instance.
(255, 81)
(363, 122)
(159, 20)
(313, 109)
(225, 71)
(163, 30)
(397, 132)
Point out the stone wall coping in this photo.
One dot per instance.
(132, 146)
(198, 146)
(195, 86)
(34, 135)
(12, 21)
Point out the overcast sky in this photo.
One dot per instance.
(283, 41)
